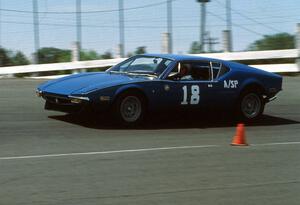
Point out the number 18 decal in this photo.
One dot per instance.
(195, 95)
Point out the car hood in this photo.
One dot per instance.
(87, 82)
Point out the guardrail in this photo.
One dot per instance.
(238, 56)
(261, 55)
(59, 66)
(254, 55)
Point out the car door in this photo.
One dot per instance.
(193, 89)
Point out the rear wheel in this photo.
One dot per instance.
(129, 109)
(250, 105)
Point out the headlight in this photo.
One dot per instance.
(38, 93)
(78, 99)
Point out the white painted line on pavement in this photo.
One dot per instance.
(134, 150)
(105, 152)
(276, 143)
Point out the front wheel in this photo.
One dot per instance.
(250, 105)
(129, 109)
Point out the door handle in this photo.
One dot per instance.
(209, 85)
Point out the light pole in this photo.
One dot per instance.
(202, 22)
(170, 26)
(36, 31)
(78, 30)
(229, 25)
(0, 23)
(121, 29)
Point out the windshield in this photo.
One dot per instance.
(142, 65)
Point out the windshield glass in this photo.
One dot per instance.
(143, 65)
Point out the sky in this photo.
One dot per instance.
(143, 27)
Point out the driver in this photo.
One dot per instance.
(182, 74)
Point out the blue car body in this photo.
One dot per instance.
(99, 90)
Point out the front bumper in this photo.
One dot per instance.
(65, 103)
(71, 104)
(62, 103)
(64, 108)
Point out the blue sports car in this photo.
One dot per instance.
(161, 82)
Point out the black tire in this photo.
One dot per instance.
(250, 105)
(129, 109)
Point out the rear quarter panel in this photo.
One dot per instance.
(247, 75)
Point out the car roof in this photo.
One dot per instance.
(181, 57)
(233, 65)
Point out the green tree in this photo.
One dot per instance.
(195, 47)
(5, 59)
(140, 50)
(273, 42)
(106, 55)
(53, 55)
(19, 59)
(86, 55)
(129, 54)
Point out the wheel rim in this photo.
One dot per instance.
(131, 109)
(251, 105)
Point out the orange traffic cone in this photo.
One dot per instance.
(240, 138)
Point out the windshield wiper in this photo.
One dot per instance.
(114, 71)
(134, 73)
(143, 73)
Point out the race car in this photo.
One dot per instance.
(163, 82)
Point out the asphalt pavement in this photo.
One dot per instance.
(47, 157)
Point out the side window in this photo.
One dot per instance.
(218, 70)
(216, 67)
(200, 71)
(191, 71)
(223, 71)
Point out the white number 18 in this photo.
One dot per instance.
(195, 95)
